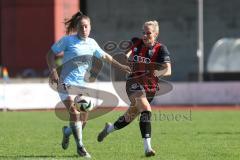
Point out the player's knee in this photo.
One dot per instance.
(74, 114)
(131, 114)
(143, 104)
(73, 111)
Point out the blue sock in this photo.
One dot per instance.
(68, 131)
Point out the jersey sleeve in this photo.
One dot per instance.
(99, 53)
(164, 55)
(60, 45)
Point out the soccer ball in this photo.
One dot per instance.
(83, 103)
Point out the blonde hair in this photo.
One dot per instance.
(153, 23)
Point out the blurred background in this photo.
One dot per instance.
(29, 28)
(202, 36)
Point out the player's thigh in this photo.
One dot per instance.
(69, 103)
(139, 100)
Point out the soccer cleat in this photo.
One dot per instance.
(150, 153)
(65, 139)
(82, 152)
(104, 133)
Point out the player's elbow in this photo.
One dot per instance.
(107, 58)
(169, 70)
(168, 73)
(104, 57)
(50, 58)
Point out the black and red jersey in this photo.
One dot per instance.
(143, 61)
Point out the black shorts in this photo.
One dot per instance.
(135, 87)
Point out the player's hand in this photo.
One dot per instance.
(88, 77)
(54, 76)
(159, 73)
(92, 79)
(126, 69)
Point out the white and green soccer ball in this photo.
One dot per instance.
(83, 103)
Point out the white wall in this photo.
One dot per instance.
(41, 96)
(207, 93)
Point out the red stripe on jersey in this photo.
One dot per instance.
(141, 65)
(156, 49)
(147, 80)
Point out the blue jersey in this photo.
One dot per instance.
(77, 57)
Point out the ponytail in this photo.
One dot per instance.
(71, 24)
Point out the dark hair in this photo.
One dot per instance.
(71, 24)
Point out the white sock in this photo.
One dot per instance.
(77, 132)
(110, 128)
(147, 144)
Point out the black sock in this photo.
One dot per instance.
(120, 123)
(145, 124)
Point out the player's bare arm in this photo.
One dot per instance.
(52, 67)
(165, 70)
(115, 63)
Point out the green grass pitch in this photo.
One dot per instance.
(176, 135)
